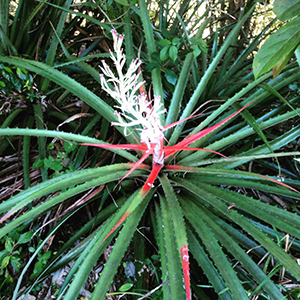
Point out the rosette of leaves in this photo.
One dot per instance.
(242, 242)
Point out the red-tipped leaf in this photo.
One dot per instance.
(186, 271)
(122, 219)
(147, 186)
(121, 146)
(180, 121)
(191, 139)
(153, 175)
(137, 164)
(168, 150)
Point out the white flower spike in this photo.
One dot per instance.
(133, 110)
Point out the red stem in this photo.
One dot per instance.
(153, 175)
(186, 270)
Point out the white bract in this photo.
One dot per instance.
(133, 109)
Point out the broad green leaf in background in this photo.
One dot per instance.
(164, 53)
(276, 51)
(164, 42)
(171, 76)
(279, 66)
(286, 9)
(173, 52)
(25, 237)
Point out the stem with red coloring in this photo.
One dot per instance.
(186, 270)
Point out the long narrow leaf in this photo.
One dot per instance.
(201, 86)
(247, 131)
(36, 211)
(55, 184)
(155, 74)
(172, 254)
(73, 86)
(159, 234)
(99, 244)
(217, 255)
(119, 249)
(180, 232)
(208, 267)
(272, 247)
(63, 135)
(234, 248)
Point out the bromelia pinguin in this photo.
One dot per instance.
(134, 110)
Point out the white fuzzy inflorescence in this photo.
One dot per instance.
(133, 109)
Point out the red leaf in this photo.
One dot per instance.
(180, 168)
(122, 146)
(170, 150)
(186, 270)
(189, 140)
(122, 219)
(153, 175)
(147, 186)
(279, 182)
(180, 121)
(141, 166)
(136, 165)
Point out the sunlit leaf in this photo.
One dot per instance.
(25, 237)
(286, 9)
(173, 52)
(278, 45)
(126, 287)
(164, 53)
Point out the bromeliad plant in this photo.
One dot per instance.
(204, 219)
(144, 116)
